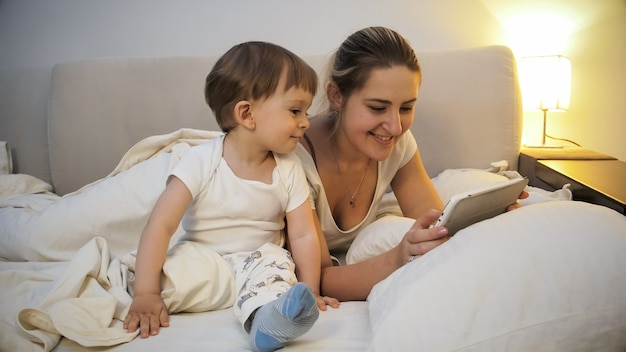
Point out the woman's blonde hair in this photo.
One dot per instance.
(365, 50)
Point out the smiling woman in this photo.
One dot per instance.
(359, 148)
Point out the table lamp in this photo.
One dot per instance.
(546, 85)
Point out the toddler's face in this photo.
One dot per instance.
(282, 118)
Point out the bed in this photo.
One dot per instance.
(550, 276)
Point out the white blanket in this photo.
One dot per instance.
(44, 227)
(17, 184)
(84, 297)
(84, 300)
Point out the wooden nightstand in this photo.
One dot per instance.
(594, 177)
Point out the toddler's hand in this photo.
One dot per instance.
(148, 313)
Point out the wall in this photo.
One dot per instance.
(34, 35)
(598, 111)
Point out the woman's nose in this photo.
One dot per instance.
(393, 123)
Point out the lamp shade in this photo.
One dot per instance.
(546, 82)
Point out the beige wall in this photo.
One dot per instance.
(42, 33)
(36, 33)
(598, 113)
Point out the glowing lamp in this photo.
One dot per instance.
(546, 85)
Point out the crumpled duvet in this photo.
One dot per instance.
(18, 184)
(84, 300)
(60, 269)
(46, 227)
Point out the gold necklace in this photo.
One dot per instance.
(358, 188)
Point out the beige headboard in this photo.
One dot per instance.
(468, 112)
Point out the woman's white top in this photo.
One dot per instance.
(337, 238)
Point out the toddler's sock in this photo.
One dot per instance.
(278, 322)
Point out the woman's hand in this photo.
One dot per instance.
(148, 313)
(420, 238)
(516, 205)
(323, 301)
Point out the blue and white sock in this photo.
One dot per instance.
(288, 317)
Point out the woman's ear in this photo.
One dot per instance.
(334, 96)
(243, 114)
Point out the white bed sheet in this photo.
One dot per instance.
(338, 330)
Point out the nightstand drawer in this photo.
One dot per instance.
(596, 181)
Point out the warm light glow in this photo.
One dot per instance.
(545, 82)
(538, 33)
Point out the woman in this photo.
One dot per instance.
(355, 151)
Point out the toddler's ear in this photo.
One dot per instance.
(243, 114)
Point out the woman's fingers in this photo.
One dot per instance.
(421, 239)
(427, 219)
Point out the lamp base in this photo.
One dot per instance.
(544, 135)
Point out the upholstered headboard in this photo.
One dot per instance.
(468, 112)
(469, 109)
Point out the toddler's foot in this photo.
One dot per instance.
(280, 321)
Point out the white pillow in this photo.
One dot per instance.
(546, 277)
(386, 232)
(378, 237)
(455, 181)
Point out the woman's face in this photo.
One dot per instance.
(374, 117)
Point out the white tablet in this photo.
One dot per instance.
(465, 209)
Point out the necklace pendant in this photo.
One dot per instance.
(351, 202)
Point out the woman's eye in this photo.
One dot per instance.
(378, 108)
(406, 109)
